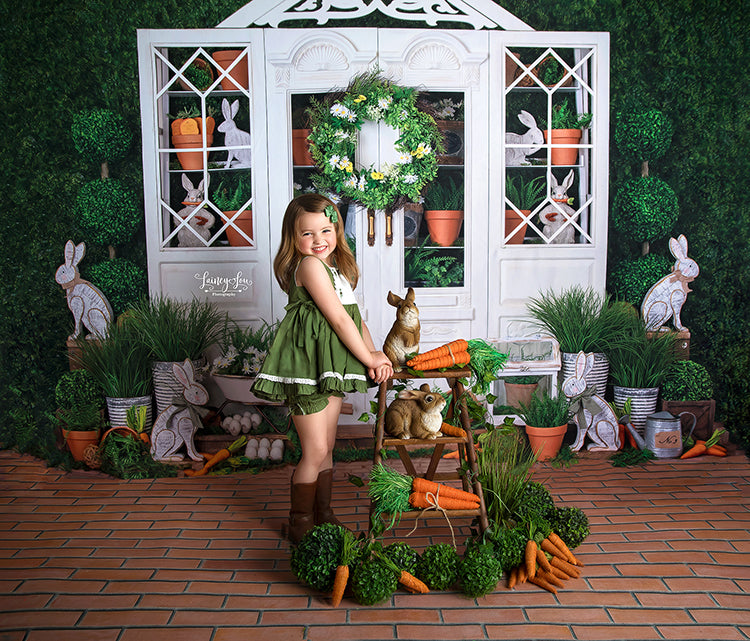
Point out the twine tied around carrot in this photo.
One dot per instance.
(432, 499)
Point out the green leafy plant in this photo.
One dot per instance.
(525, 194)
(101, 135)
(128, 458)
(579, 318)
(545, 410)
(640, 360)
(631, 278)
(243, 349)
(644, 209)
(403, 555)
(121, 280)
(232, 198)
(644, 134)
(444, 194)
(522, 380)
(479, 570)
(438, 566)
(687, 381)
(550, 71)
(571, 524)
(76, 389)
(565, 117)
(120, 363)
(175, 330)
(631, 456)
(199, 73)
(84, 418)
(509, 542)
(373, 581)
(315, 558)
(425, 267)
(107, 211)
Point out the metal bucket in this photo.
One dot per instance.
(643, 403)
(598, 375)
(664, 434)
(117, 409)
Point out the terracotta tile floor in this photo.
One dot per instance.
(87, 557)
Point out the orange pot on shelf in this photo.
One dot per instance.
(238, 77)
(301, 147)
(244, 222)
(546, 441)
(444, 225)
(191, 160)
(512, 221)
(563, 155)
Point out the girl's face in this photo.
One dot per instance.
(316, 236)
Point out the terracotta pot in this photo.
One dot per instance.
(517, 393)
(78, 440)
(237, 77)
(546, 441)
(513, 221)
(563, 155)
(244, 222)
(444, 225)
(301, 147)
(190, 160)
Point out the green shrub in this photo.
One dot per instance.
(122, 281)
(100, 135)
(318, 554)
(631, 278)
(438, 566)
(479, 571)
(76, 389)
(571, 524)
(645, 208)
(643, 135)
(373, 581)
(107, 212)
(687, 381)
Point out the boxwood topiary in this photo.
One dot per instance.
(687, 381)
(121, 280)
(438, 566)
(76, 389)
(509, 544)
(479, 570)
(631, 278)
(100, 135)
(571, 524)
(644, 208)
(403, 555)
(643, 135)
(318, 554)
(106, 211)
(373, 581)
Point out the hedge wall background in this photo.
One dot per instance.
(689, 58)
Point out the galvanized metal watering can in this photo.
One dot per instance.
(663, 433)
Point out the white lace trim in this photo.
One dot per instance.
(312, 381)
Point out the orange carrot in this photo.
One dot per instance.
(513, 578)
(462, 358)
(550, 547)
(339, 584)
(549, 577)
(454, 347)
(559, 573)
(541, 560)
(452, 430)
(412, 583)
(451, 454)
(716, 450)
(570, 570)
(422, 500)
(522, 576)
(696, 450)
(222, 455)
(424, 486)
(530, 558)
(562, 546)
(543, 584)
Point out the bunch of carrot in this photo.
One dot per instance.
(427, 494)
(711, 447)
(448, 355)
(546, 565)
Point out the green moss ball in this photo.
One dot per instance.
(644, 208)
(318, 554)
(438, 566)
(479, 571)
(100, 134)
(643, 135)
(121, 280)
(630, 279)
(107, 212)
(77, 389)
(687, 381)
(571, 524)
(373, 581)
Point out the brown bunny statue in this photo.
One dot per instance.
(403, 338)
(415, 414)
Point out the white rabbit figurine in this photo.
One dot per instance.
(90, 307)
(552, 217)
(592, 414)
(667, 296)
(533, 137)
(201, 221)
(234, 137)
(177, 424)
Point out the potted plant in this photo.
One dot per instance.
(200, 74)
(524, 195)
(230, 199)
(565, 127)
(79, 411)
(300, 144)
(546, 418)
(687, 387)
(120, 364)
(424, 266)
(243, 350)
(638, 364)
(173, 331)
(581, 320)
(519, 389)
(187, 133)
(550, 71)
(237, 78)
(444, 204)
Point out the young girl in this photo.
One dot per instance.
(322, 349)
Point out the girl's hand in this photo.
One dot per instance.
(381, 368)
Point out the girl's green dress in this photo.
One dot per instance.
(307, 358)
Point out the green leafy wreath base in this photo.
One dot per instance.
(335, 123)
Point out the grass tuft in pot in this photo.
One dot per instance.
(545, 410)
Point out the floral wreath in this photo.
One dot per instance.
(335, 123)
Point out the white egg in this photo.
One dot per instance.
(226, 422)
(278, 444)
(237, 417)
(246, 414)
(253, 442)
(256, 419)
(251, 452)
(265, 441)
(235, 428)
(276, 455)
(263, 453)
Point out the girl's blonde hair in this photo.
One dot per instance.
(288, 256)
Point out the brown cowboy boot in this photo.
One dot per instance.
(301, 518)
(323, 511)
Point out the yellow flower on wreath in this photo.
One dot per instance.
(376, 175)
(360, 98)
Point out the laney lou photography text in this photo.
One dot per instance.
(222, 285)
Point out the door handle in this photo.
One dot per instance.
(388, 227)
(370, 227)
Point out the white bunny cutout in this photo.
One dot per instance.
(89, 306)
(591, 413)
(177, 424)
(667, 295)
(241, 156)
(199, 220)
(534, 138)
(554, 216)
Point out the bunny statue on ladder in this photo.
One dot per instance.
(552, 217)
(89, 306)
(667, 296)
(241, 156)
(591, 413)
(201, 221)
